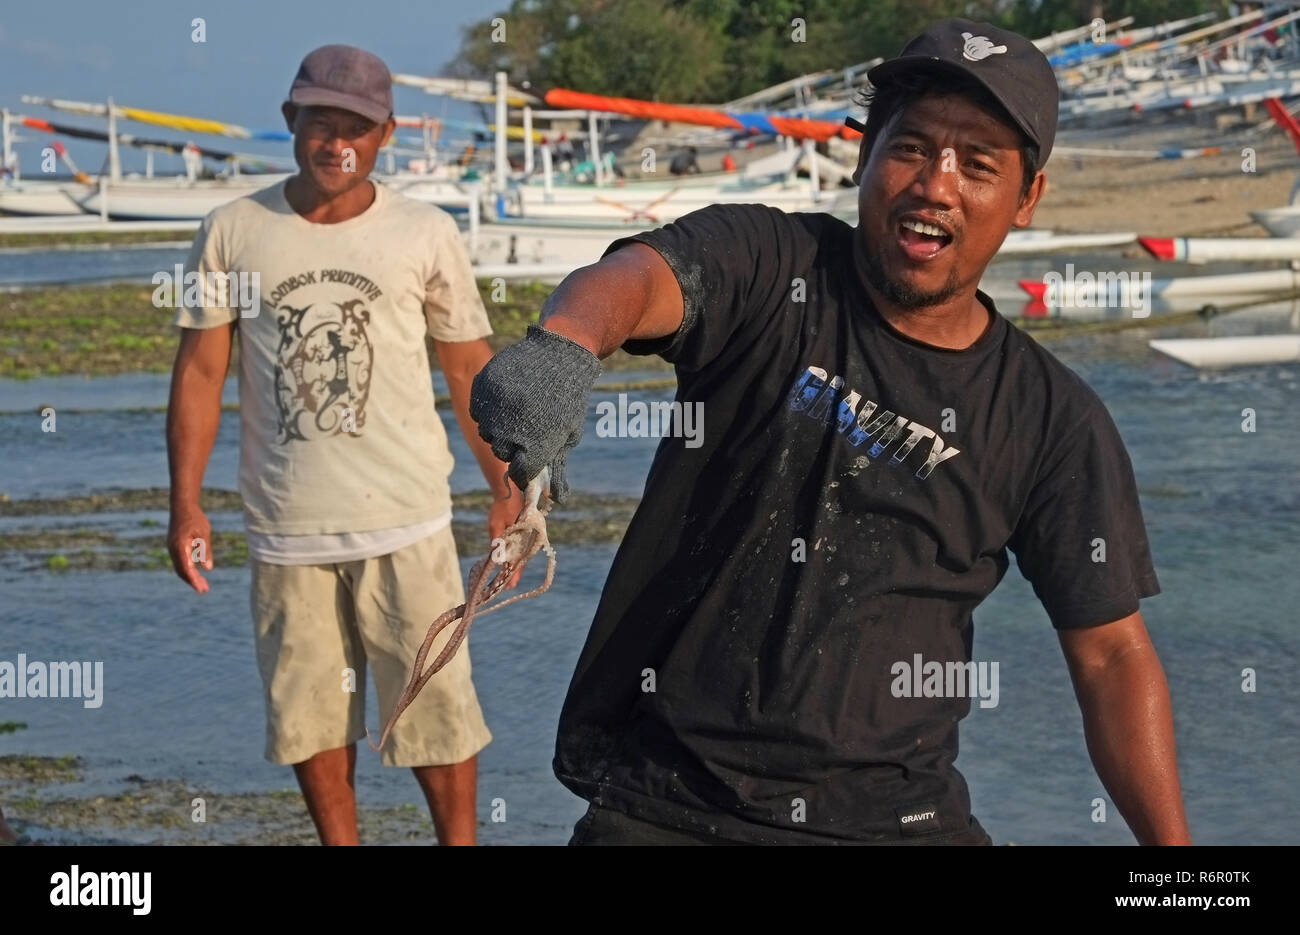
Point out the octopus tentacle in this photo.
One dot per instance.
(523, 540)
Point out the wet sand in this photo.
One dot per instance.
(1200, 197)
(137, 543)
(38, 794)
(105, 330)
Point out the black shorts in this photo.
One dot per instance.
(605, 826)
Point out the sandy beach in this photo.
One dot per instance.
(1207, 196)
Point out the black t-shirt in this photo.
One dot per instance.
(853, 500)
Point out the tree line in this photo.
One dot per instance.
(708, 51)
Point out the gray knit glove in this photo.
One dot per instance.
(530, 403)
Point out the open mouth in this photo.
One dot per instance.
(920, 240)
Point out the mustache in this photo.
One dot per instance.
(939, 218)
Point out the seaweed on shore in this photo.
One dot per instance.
(145, 810)
(587, 519)
(102, 330)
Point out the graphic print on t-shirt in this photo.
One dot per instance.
(826, 398)
(323, 362)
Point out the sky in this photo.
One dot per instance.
(141, 53)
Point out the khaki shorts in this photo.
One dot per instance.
(314, 621)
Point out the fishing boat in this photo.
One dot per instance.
(523, 240)
(1128, 289)
(1026, 243)
(1208, 249)
(35, 197)
(1280, 222)
(1085, 50)
(38, 198)
(1160, 307)
(187, 197)
(1183, 71)
(85, 223)
(568, 245)
(663, 203)
(1237, 351)
(163, 199)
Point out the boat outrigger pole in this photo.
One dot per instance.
(593, 141)
(114, 159)
(499, 136)
(7, 161)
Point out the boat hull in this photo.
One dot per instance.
(1280, 222)
(1243, 351)
(41, 199)
(166, 200)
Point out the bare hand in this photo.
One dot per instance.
(189, 542)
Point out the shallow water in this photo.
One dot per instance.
(71, 267)
(106, 437)
(183, 698)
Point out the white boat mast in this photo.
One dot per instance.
(593, 140)
(500, 136)
(528, 140)
(7, 158)
(114, 159)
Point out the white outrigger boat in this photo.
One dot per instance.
(1280, 222)
(660, 204)
(185, 197)
(39, 198)
(1129, 290)
(1236, 66)
(1029, 243)
(1208, 249)
(34, 197)
(170, 199)
(1237, 351)
(522, 240)
(580, 243)
(181, 199)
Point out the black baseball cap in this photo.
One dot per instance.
(1004, 63)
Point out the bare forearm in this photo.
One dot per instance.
(193, 417)
(630, 294)
(494, 470)
(1129, 726)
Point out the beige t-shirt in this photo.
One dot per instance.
(338, 431)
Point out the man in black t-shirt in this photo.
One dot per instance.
(782, 651)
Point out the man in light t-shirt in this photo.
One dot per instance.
(344, 463)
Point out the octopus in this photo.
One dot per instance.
(520, 542)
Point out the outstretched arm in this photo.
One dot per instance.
(1128, 724)
(630, 294)
(530, 400)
